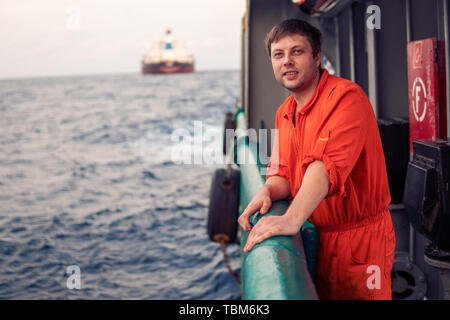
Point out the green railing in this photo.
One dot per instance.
(275, 268)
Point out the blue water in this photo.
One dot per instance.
(87, 178)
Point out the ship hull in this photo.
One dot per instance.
(148, 68)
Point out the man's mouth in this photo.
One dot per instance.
(290, 73)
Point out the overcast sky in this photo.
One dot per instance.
(67, 37)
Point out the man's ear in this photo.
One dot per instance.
(317, 60)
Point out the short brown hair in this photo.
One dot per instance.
(295, 26)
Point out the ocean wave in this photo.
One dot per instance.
(89, 177)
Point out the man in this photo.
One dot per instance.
(331, 164)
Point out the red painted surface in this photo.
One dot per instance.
(426, 90)
(167, 70)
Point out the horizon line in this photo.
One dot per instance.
(97, 74)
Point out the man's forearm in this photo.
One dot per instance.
(315, 186)
(279, 188)
(314, 189)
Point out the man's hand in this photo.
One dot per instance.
(267, 227)
(313, 190)
(261, 201)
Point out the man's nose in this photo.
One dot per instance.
(287, 59)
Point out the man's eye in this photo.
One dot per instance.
(277, 55)
(298, 51)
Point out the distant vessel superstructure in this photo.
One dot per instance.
(167, 55)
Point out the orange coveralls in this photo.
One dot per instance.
(356, 236)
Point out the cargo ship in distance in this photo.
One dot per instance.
(167, 55)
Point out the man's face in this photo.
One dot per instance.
(293, 63)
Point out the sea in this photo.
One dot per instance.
(98, 196)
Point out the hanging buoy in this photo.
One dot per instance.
(223, 206)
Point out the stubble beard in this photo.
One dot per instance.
(297, 85)
(293, 87)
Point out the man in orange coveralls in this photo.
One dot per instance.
(331, 165)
